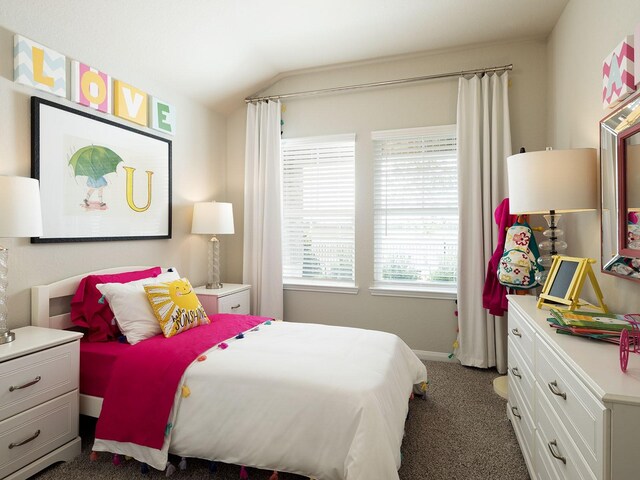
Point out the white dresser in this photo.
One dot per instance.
(39, 374)
(231, 298)
(575, 413)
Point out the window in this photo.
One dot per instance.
(318, 191)
(416, 208)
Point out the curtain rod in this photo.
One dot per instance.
(308, 93)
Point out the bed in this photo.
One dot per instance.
(321, 401)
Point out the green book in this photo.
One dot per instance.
(611, 322)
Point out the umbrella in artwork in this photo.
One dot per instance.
(94, 162)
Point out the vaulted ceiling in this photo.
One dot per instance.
(219, 51)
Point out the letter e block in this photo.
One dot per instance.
(162, 116)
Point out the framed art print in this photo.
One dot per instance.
(99, 180)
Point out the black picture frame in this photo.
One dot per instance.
(99, 180)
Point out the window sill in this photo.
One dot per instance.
(326, 288)
(432, 292)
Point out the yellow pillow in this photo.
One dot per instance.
(176, 306)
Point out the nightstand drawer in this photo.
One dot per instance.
(38, 431)
(235, 303)
(36, 378)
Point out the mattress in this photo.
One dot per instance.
(96, 362)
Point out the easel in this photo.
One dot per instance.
(565, 281)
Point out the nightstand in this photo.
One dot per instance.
(38, 400)
(231, 298)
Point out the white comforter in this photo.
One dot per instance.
(326, 402)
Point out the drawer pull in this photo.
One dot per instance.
(32, 382)
(235, 307)
(516, 332)
(514, 410)
(515, 372)
(553, 386)
(553, 447)
(31, 438)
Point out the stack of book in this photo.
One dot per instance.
(596, 325)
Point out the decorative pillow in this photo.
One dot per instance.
(97, 318)
(129, 303)
(176, 306)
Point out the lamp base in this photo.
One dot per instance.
(7, 337)
(213, 286)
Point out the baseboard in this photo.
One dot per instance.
(434, 356)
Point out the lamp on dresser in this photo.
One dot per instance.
(20, 216)
(213, 218)
(552, 182)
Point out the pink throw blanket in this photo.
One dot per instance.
(144, 379)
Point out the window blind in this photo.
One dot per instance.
(415, 207)
(318, 192)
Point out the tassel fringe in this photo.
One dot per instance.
(244, 475)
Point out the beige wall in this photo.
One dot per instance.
(199, 149)
(586, 33)
(425, 324)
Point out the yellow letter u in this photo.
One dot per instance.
(132, 205)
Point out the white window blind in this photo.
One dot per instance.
(415, 207)
(318, 192)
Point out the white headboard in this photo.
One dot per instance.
(42, 295)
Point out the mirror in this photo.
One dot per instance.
(620, 190)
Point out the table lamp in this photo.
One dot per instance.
(213, 218)
(20, 216)
(552, 182)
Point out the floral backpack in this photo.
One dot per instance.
(518, 264)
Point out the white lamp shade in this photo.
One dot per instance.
(212, 218)
(560, 180)
(20, 210)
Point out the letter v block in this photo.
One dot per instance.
(130, 103)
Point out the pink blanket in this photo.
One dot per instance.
(144, 380)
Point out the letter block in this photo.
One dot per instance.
(130, 103)
(90, 87)
(38, 66)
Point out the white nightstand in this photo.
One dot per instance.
(231, 298)
(39, 375)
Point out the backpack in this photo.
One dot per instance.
(519, 262)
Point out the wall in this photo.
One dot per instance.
(425, 324)
(199, 148)
(585, 34)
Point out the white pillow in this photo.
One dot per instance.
(132, 309)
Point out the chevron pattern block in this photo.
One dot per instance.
(38, 66)
(618, 73)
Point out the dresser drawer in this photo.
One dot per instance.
(522, 335)
(32, 379)
(235, 303)
(38, 431)
(552, 439)
(522, 421)
(520, 376)
(581, 413)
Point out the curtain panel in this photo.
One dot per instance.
(262, 268)
(484, 143)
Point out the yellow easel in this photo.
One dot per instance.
(565, 281)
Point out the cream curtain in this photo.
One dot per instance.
(484, 143)
(262, 267)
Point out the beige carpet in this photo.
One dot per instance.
(459, 432)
